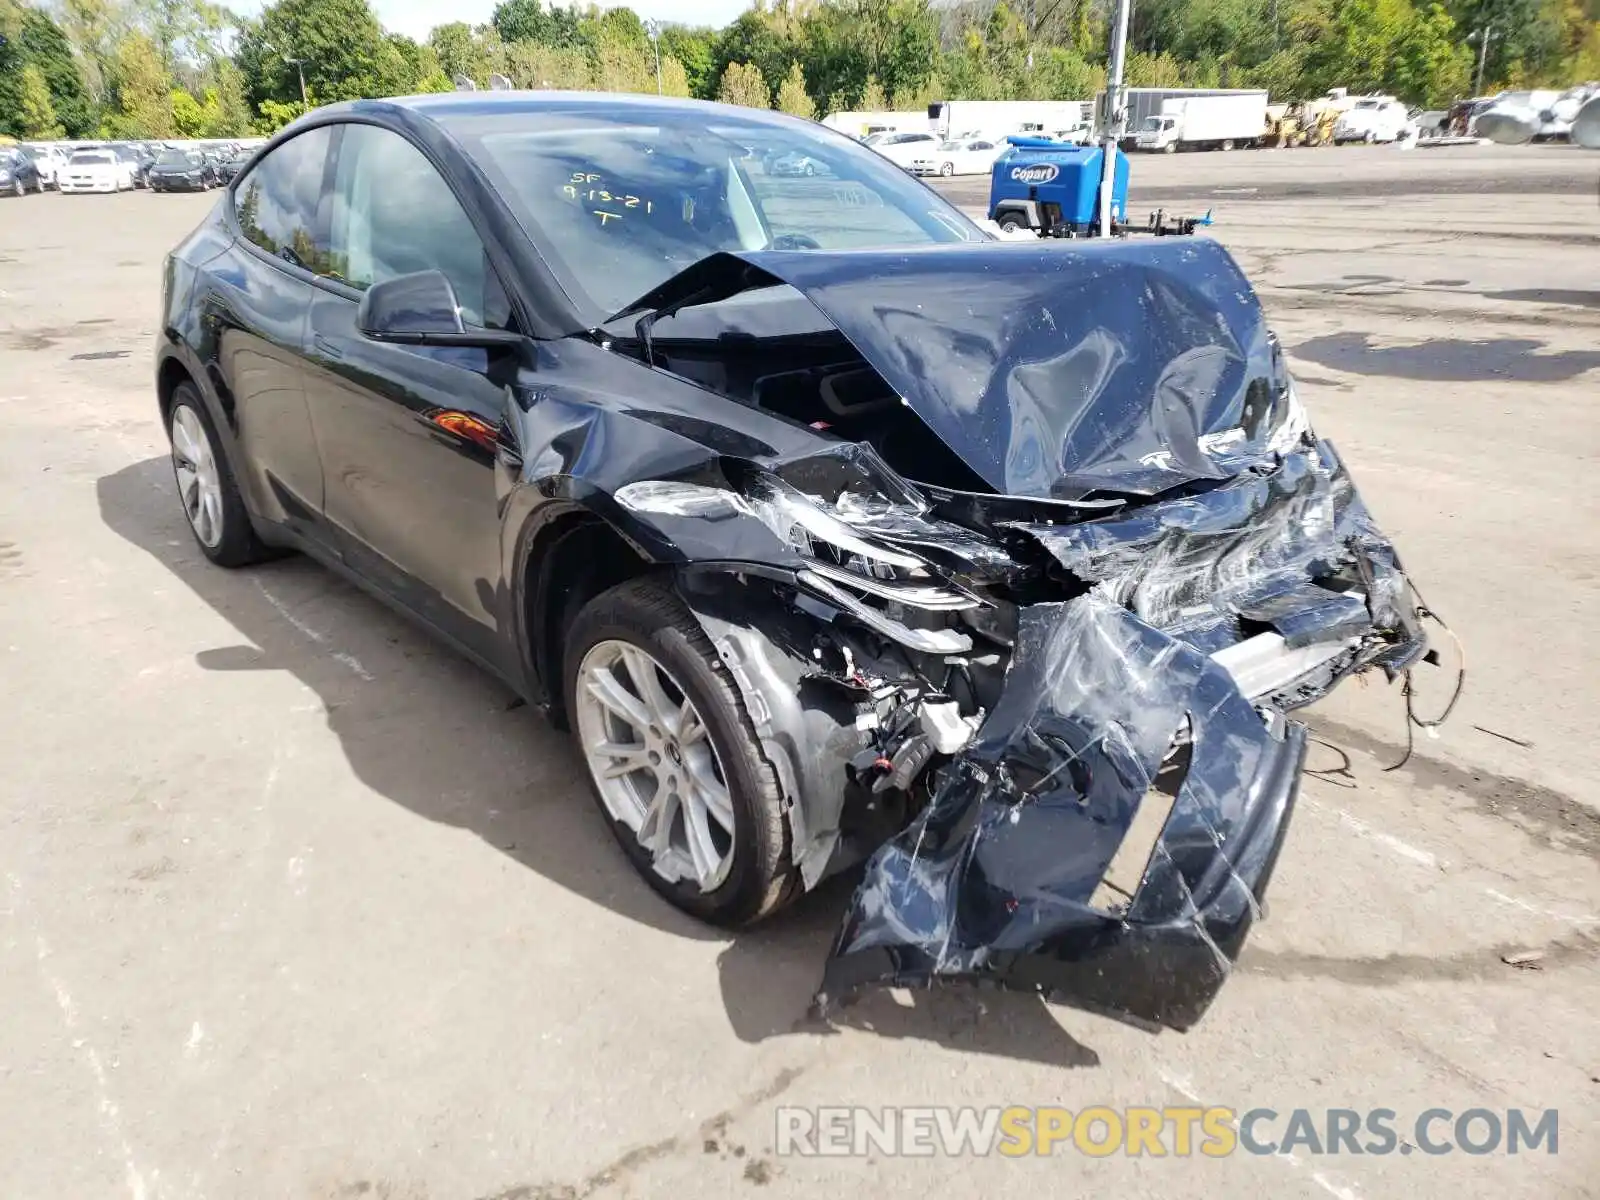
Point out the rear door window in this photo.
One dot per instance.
(279, 202)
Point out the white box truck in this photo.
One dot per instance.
(1220, 121)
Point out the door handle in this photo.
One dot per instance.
(326, 346)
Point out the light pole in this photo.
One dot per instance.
(652, 29)
(1113, 116)
(1483, 37)
(299, 69)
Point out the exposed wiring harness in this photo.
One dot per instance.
(1414, 722)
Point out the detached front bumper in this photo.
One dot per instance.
(1108, 841)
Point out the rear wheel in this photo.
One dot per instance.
(1227, 143)
(1170, 148)
(206, 486)
(947, 169)
(18, 188)
(673, 759)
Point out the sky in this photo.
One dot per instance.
(416, 17)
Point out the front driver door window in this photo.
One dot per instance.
(392, 214)
(407, 432)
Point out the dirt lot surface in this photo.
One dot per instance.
(296, 904)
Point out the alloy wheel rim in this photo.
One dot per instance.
(195, 466)
(653, 764)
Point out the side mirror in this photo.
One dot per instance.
(421, 310)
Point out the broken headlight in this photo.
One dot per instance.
(877, 584)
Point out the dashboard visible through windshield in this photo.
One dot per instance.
(619, 203)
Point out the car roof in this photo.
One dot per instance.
(444, 106)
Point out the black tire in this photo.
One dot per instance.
(647, 613)
(1011, 222)
(238, 546)
(947, 170)
(1170, 148)
(18, 188)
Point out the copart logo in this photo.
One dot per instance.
(1043, 173)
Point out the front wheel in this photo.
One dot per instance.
(1170, 148)
(672, 756)
(18, 188)
(947, 169)
(1011, 223)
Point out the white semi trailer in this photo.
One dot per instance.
(1071, 120)
(1219, 121)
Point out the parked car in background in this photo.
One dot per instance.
(48, 160)
(970, 156)
(99, 170)
(901, 148)
(18, 175)
(144, 157)
(183, 171)
(795, 163)
(230, 168)
(1373, 119)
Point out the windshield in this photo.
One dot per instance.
(620, 200)
(85, 159)
(178, 158)
(1152, 123)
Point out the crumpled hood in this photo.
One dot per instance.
(1053, 370)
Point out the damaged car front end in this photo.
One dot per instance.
(1039, 683)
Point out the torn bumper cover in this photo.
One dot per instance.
(1002, 875)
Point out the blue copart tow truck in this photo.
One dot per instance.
(1053, 189)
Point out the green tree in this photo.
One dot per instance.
(792, 95)
(765, 40)
(872, 97)
(93, 27)
(695, 50)
(143, 91)
(188, 114)
(43, 44)
(342, 47)
(537, 65)
(674, 79)
(276, 114)
(228, 113)
(528, 21)
(742, 84)
(1431, 66)
(457, 50)
(37, 113)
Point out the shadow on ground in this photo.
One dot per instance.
(446, 741)
(1448, 360)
